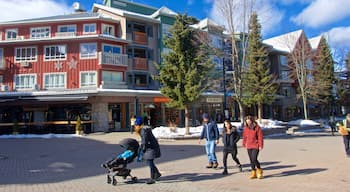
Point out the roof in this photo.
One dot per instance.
(285, 42)
(73, 16)
(205, 23)
(315, 42)
(164, 11)
(124, 13)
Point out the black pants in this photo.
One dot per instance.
(234, 157)
(253, 156)
(346, 139)
(152, 167)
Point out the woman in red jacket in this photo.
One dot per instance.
(254, 142)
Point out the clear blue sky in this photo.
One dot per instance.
(277, 17)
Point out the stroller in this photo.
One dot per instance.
(118, 166)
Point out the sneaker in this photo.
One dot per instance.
(157, 175)
(150, 181)
(215, 165)
(225, 172)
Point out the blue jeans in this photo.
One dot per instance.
(210, 149)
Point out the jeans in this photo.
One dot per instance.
(152, 167)
(210, 149)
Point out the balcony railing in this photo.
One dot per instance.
(113, 59)
(140, 64)
(65, 34)
(140, 38)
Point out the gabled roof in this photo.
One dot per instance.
(164, 11)
(285, 42)
(315, 42)
(124, 13)
(205, 23)
(73, 16)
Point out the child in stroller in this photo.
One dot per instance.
(118, 165)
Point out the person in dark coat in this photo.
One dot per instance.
(230, 137)
(149, 148)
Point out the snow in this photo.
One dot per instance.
(179, 132)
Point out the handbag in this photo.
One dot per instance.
(343, 131)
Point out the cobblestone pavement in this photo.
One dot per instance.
(310, 162)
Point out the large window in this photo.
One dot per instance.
(26, 54)
(166, 30)
(88, 50)
(111, 49)
(67, 28)
(11, 34)
(40, 32)
(25, 81)
(89, 28)
(108, 29)
(55, 52)
(88, 79)
(284, 75)
(111, 77)
(283, 60)
(216, 41)
(54, 80)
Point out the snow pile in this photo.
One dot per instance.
(302, 122)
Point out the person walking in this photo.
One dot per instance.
(253, 142)
(149, 148)
(210, 132)
(344, 130)
(230, 137)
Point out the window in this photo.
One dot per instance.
(11, 34)
(286, 91)
(40, 32)
(1, 79)
(166, 30)
(88, 50)
(216, 41)
(88, 79)
(26, 54)
(55, 52)
(67, 28)
(55, 80)
(111, 49)
(89, 28)
(25, 81)
(284, 75)
(140, 80)
(110, 77)
(108, 29)
(2, 61)
(283, 60)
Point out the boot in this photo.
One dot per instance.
(210, 165)
(259, 173)
(156, 175)
(215, 165)
(253, 174)
(225, 171)
(150, 181)
(240, 168)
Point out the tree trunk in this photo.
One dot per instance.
(260, 112)
(187, 128)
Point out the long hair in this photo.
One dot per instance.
(251, 118)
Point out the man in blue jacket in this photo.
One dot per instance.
(210, 132)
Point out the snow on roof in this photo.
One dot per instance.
(164, 11)
(206, 22)
(285, 42)
(315, 42)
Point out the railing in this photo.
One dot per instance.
(140, 64)
(140, 38)
(113, 59)
(65, 34)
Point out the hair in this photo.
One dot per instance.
(137, 129)
(232, 127)
(250, 117)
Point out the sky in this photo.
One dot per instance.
(315, 17)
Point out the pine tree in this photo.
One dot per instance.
(258, 83)
(324, 74)
(183, 72)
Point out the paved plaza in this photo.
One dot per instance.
(309, 162)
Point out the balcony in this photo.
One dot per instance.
(140, 64)
(140, 38)
(113, 59)
(113, 85)
(65, 34)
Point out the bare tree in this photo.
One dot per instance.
(236, 15)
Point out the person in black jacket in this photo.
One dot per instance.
(149, 148)
(230, 137)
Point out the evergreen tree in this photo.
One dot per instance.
(258, 83)
(324, 74)
(183, 71)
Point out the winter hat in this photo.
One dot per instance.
(138, 121)
(205, 116)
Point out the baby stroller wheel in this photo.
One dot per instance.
(114, 182)
(109, 180)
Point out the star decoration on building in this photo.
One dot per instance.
(58, 65)
(72, 64)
